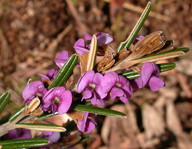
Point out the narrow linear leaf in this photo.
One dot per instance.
(166, 66)
(41, 127)
(24, 143)
(46, 114)
(100, 111)
(160, 56)
(16, 114)
(4, 99)
(163, 54)
(136, 29)
(64, 72)
(130, 74)
(92, 53)
(69, 72)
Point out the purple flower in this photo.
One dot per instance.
(86, 125)
(82, 46)
(52, 136)
(19, 134)
(57, 99)
(50, 76)
(62, 58)
(117, 85)
(149, 76)
(32, 90)
(139, 37)
(90, 85)
(102, 38)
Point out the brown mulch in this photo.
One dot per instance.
(32, 32)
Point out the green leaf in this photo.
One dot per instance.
(24, 143)
(41, 127)
(100, 111)
(4, 99)
(46, 114)
(16, 114)
(64, 72)
(130, 74)
(172, 52)
(136, 29)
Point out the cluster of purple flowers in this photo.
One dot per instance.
(93, 86)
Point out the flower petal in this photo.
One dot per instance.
(65, 102)
(86, 125)
(103, 38)
(43, 77)
(63, 55)
(85, 80)
(155, 83)
(126, 86)
(32, 89)
(116, 92)
(79, 47)
(87, 94)
(87, 36)
(109, 81)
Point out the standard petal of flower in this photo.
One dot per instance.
(155, 83)
(79, 47)
(98, 79)
(65, 102)
(109, 81)
(87, 36)
(103, 38)
(62, 58)
(63, 55)
(30, 91)
(43, 77)
(116, 92)
(85, 80)
(48, 96)
(59, 63)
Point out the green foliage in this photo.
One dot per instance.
(64, 72)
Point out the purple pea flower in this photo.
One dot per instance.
(82, 46)
(62, 58)
(52, 136)
(57, 99)
(139, 37)
(117, 85)
(32, 90)
(149, 76)
(90, 85)
(19, 134)
(50, 76)
(86, 125)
